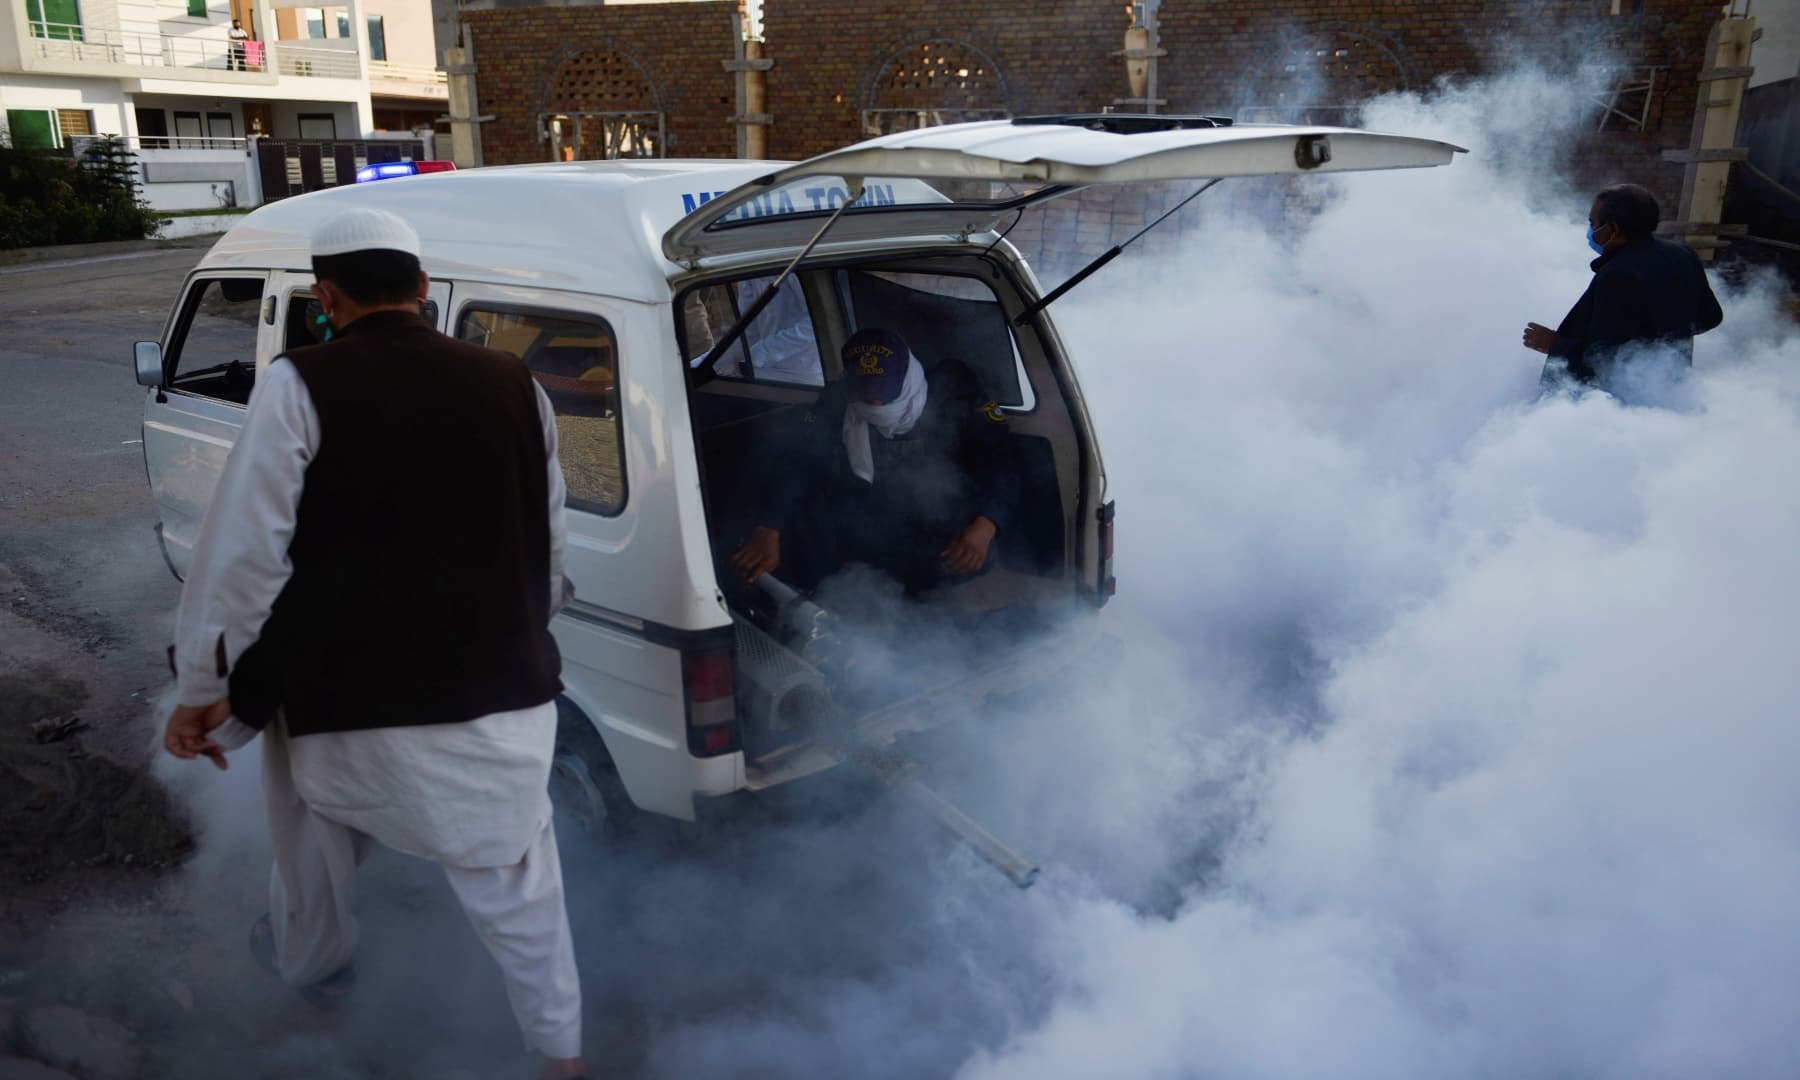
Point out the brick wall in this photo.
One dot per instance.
(836, 58)
(838, 64)
(651, 57)
(1271, 59)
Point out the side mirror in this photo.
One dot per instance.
(147, 356)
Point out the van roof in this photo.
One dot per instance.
(583, 226)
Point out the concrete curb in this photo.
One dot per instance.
(17, 256)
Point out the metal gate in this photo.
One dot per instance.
(295, 167)
(604, 136)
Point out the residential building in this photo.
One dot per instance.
(211, 118)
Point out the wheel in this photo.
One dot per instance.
(585, 790)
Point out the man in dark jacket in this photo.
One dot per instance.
(908, 472)
(1646, 292)
(371, 595)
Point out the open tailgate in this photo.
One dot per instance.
(1040, 157)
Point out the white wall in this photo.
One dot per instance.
(287, 118)
(168, 17)
(407, 24)
(1777, 54)
(103, 97)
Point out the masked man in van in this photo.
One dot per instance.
(372, 592)
(909, 472)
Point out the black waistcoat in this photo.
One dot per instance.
(421, 556)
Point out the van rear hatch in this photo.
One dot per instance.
(963, 179)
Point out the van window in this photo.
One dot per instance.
(305, 323)
(574, 358)
(943, 317)
(778, 346)
(213, 351)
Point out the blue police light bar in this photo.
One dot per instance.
(387, 170)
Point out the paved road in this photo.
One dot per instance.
(84, 596)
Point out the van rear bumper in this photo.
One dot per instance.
(1039, 663)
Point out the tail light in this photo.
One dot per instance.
(706, 678)
(1109, 585)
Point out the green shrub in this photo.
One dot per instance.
(50, 197)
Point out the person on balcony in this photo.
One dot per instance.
(238, 36)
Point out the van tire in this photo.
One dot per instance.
(585, 790)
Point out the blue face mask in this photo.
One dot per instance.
(1593, 243)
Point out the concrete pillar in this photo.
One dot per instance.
(465, 125)
(749, 70)
(1712, 149)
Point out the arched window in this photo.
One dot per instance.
(1323, 77)
(932, 82)
(599, 104)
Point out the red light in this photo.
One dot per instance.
(434, 166)
(718, 740)
(708, 676)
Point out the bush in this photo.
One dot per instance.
(50, 197)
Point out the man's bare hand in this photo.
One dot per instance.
(1539, 338)
(190, 726)
(968, 550)
(762, 555)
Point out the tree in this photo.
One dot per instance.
(52, 197)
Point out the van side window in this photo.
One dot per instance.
(305, 322)
(943, 317)
(778, 346)
(213, 351)
(575, 359)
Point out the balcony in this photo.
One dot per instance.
(407, 81)
(80, 47)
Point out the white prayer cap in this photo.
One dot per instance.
(364, 229)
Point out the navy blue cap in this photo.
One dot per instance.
(875, 363)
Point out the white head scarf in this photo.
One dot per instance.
(895, 418)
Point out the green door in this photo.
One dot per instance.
(32, 129)
(58, 19)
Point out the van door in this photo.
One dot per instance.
(210, 362)
(600, 362)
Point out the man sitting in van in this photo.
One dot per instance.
(908, 471)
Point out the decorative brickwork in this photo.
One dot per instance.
(846, 68)
(665, 58)
(834, 59)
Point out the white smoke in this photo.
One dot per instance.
(1540, 820)
(1449, 735)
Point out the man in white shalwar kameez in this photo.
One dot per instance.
(377, 712)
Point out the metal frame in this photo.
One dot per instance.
(622, 133)
(1628, 82)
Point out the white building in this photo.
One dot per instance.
(210, 119)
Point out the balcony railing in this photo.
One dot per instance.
(381, 69)
(78, 144)
(86, 44)
(320, 63)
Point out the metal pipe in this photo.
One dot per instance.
(892, 770)
(1016, 867)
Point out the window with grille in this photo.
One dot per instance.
(74, 122)
(931, 83)
(601, 106)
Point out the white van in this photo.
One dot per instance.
(619, 284)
